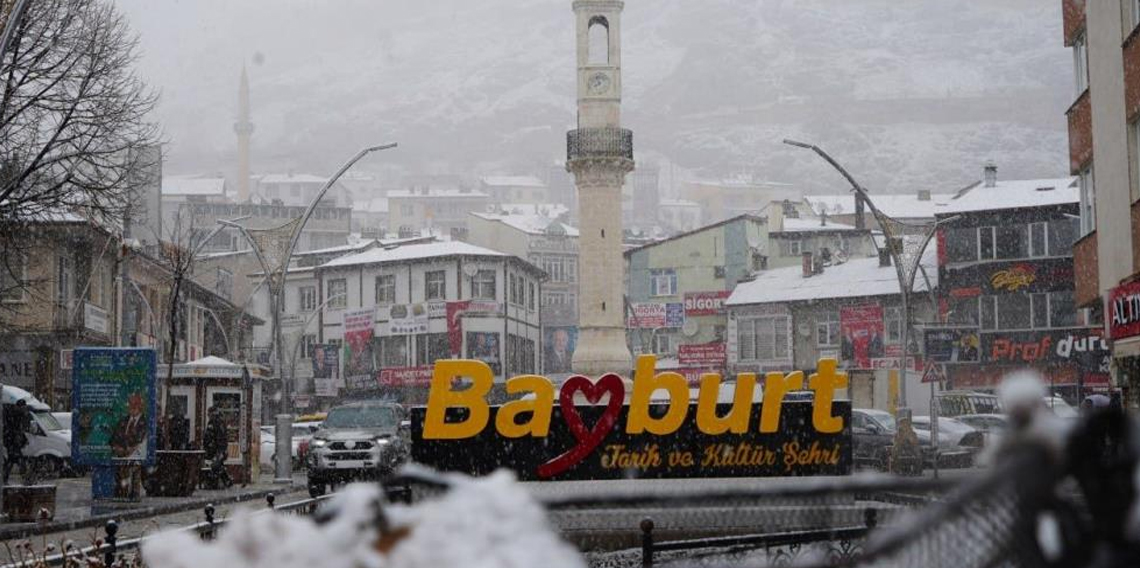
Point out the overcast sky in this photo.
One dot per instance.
(907, 94)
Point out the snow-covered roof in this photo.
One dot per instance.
(513, 181)
(804, 225)
(292, 178)
(678, 203)
(339, 248)
(434, 193)
(899, 206)
(212, 361)
(527, 223)
(183, 185)
(1015, 194)
(412, 252)
(855, 278)
(550, 210)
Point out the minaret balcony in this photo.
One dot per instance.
(599, 143)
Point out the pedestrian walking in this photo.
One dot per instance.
(17, 422)
(215, 442)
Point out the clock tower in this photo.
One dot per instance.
(600, 153)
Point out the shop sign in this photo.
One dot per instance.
(407, 319)
(94, 318)
(546, 434)
(405, 377)
(1124, 311)
(1038, 275)
(18, 369)
(705, 303)
(652, 315)
(913, 363)
(1086, 347)
(701, 355)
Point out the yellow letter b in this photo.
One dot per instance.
(441, 397)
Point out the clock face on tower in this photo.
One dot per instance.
(598, 84)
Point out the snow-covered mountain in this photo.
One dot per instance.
(905, 94)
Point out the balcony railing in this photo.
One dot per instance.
(599, 143)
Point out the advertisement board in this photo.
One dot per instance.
(358, 357)
(651, 315)
(705, 303)
(113, 406)
(702, 355)
(952, 344)
(326, 369)
(559, 343)
(861, 328)
(1085, 347)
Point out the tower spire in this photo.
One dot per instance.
(244, 130)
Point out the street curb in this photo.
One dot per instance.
(25, 530)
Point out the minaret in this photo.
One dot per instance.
(244, 129)
(600, 153)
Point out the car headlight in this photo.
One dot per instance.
(383, 441)
(318, 443)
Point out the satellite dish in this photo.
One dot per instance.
(690, 328)
(470, 270)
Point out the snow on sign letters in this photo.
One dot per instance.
(586, 430)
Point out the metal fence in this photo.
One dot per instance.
(114, 552)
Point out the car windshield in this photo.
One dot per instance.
(885, 420)
(303, 431)
(361, 417)
(47, 421)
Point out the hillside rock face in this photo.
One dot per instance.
(905, 94)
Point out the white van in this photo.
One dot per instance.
(49, 443)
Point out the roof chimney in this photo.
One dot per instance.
(860, 222)
(990, 174)
(808, 267)
(884, 257)
(924, 195)
(823, 219)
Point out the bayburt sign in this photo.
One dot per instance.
(591, 432)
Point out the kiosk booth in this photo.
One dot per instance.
(235, 390)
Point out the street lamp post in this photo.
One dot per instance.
(277, 275)
(907, 263)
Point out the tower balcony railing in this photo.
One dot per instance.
(604, 142)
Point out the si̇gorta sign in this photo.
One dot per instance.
(588, 430)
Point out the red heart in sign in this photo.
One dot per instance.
(587, 439)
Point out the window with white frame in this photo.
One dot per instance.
(385, 289)
(663, 282)
(1081, 63)
(987, 248)
(1133, 15)
(827, 329)
(763, 338)
(1009, 312)
(664, 343)
(791, 247)
(435, 285)
(483, 285)
(337, 294)
(308, 298)
(13, 275)
(224, 283)
(1088, 200)
(1038, 244)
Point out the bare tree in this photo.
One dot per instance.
(73, 116)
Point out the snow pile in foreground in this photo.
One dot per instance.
(486, 522)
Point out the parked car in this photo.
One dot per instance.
(1061, 408)
(49, 443)
(957, 403)
(988, 423)
(957, 441)
(360, 440)
(302, 433)
(873, 435)
(64, 419)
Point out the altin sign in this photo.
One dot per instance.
(592, 432)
